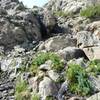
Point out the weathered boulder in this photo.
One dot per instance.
(47, 88)
(22, 27)
(71, 53)
(58, 42)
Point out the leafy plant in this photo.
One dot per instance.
(91, 11)
(41, 58)
(78, 80)
(58, 65)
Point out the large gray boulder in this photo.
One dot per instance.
(58, 42)
(47, 87)
(70, 53)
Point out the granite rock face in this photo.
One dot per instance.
(17, 26)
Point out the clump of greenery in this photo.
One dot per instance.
(21, 90)
(91, 11)
(94, 67)
(63, 14)
(58, 65)
(35, 97)
(78, 80)
(41, 58)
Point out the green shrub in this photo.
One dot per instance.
(94, 67)
(41, 58)
(91, 11)
(78, 80)
(58, 65)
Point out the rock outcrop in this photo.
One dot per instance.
(17, 26)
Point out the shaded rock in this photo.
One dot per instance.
(19, 29)
(49, 23)
(47, 88)
(71, 53)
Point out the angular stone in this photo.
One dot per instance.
(47, 88)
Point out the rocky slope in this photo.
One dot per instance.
(49, 53)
